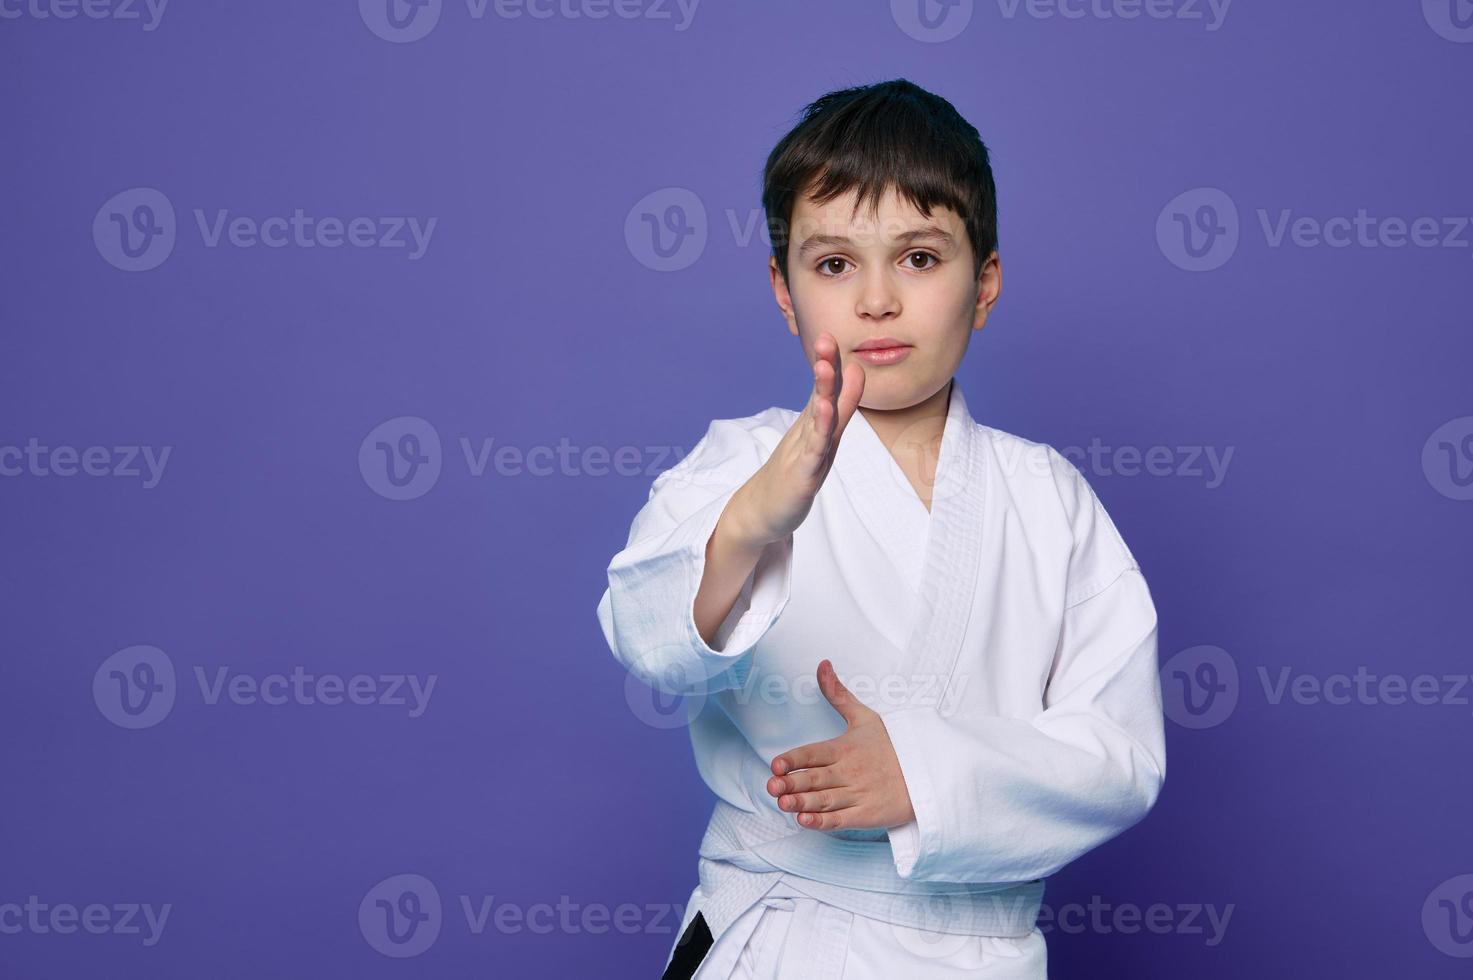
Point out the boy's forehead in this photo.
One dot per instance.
(893, 217)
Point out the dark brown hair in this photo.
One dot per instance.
(874, 137)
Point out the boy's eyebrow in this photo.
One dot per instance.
(929, 232)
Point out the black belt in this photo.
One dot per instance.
(689, 951)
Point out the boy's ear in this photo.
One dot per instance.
(780, 292)
(989, 285)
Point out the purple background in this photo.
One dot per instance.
(533, 774)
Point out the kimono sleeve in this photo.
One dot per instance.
(1015, 799)
(648, 609)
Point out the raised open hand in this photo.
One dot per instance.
(780, 494)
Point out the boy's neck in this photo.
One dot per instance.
(924, 422)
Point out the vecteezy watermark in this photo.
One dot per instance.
(1450, 19)
(663, 691)
(879, 691)
(1447, 917)
(666, 229)
(135, 230)
(1098, 459)
(946, 926)
(1364, 688)
(1447, 459)
(35, 459)
(932, 21)
(1201, 688)
(1209, 13)
(136, 688)
(403, 915)
(566, 459)
(149, 13)
(1177, 461)
(1199, 230)
(1104, 918)
(403, 21)
(40, 918)
(941, 20)
(662, 694)
(401, 458)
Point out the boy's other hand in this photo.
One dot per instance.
(780, 494)
(852, 781)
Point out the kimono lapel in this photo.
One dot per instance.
(949, 537)
(953, 551)
(883, 498)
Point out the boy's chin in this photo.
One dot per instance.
(888, 404)
(882, 394)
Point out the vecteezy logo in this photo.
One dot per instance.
(931, 20)
(921, 940)
(400, 21)
(400, 458)
(1451, 19)
(1447, 917)
(134, 688)
(400, 916)
(666, 229)
(135, 230)
(1199, 687)
(1198, 229)
(661, 694)
(1447, 459)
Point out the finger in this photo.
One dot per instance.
(846, 817)
(850, 394)
(815, 394)
(811, 438)
(826, 348)
(823, 399)
(812, 391)
(824, 753)
(806, 780)
(820, 801)
(845, 703)
(816, 365)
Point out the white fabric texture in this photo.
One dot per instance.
(1006, 636)
(787, 933)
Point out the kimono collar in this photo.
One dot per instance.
(868, 466)
(944, 546)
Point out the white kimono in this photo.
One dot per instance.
(1006, 637)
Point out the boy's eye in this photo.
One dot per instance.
(834, 266)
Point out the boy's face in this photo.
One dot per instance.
(894, 273)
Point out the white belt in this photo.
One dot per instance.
(744, 856)
(825, 928)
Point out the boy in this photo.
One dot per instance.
(1000, 712)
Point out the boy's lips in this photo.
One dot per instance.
(883, 350)
(881, 343)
